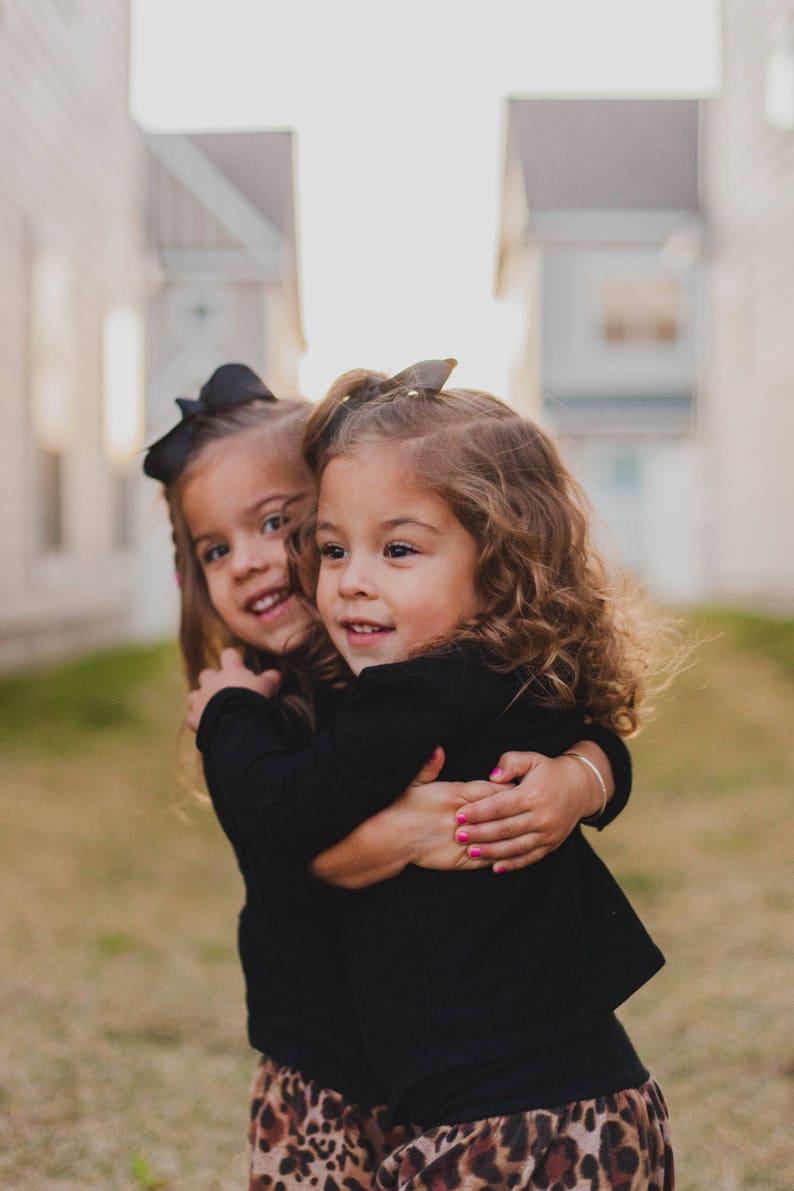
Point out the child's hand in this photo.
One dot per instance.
(427, 807)
(231, 673)
(413, 830)
(523, 823)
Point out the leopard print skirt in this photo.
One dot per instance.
(619, 1142)
(303, 1135)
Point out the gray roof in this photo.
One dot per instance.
(259, 164)
(580, 154)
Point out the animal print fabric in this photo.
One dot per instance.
(303, 1135)
(619, 1142)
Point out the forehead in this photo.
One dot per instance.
(256, 453)
(378, 481)
(240, 470)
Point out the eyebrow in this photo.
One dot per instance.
(392, 523)
(396, 522)
(282, 498)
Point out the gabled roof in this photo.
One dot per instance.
(233, 189)
(260, 166)
(580, 154)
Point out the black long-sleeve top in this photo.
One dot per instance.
(545, 954)
(300, 1009)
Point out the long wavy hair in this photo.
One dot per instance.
(202, 633)
(553, 611)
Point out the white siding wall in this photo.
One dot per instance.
(70, 185)
(749, 414)
(647, 497)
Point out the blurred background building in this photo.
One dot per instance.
(600, 240)
(647, 245)
(748, 381)
(71, 331)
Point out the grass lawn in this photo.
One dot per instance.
(124, 1060)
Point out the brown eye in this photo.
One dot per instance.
(274, 523)
(213, 554)
(399, 550)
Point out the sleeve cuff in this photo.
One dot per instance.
(229, 696)
(619, 759)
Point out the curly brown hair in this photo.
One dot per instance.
(553, 610)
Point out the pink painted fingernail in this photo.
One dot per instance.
(461, 818)
(496, 772)
(475, 852)
(461, 837)
(498, 868)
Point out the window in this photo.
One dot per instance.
(50, 503)
(779, 90)
(123, 488)
(51, 388)
(640, 311)
(122, 382)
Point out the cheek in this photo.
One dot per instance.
(271, 551)
(324, 596)
(216, 591)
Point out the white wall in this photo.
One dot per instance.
(749, 384)
(648, 502)
(71, 192)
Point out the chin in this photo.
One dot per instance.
(279, 644)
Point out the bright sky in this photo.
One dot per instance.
(399, 114)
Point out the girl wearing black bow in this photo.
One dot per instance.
(236, 486)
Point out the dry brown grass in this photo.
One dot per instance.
(124, 1056)
(707, 855)
(124, 1062)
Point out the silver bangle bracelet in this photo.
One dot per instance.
(590, 765)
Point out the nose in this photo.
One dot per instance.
(355, 580)
(250, 556)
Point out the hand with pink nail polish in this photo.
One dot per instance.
(538, 802)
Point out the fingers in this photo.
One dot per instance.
(494, 830)
(195, 706)
(231, 656)
(519, 862)
(489, 806)
(513, 765)
(471, 792)
(269, 682)
(514, 853)
(431, 768)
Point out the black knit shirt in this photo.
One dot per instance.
(449, 972)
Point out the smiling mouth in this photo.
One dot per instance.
(364, 631)
(269, 602)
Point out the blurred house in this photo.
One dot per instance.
(224, 287)
(71, 239)
(600, 244)
(748, 408)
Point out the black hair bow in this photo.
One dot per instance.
(229, 385)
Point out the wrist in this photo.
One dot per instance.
(596, 793)
(400, 833)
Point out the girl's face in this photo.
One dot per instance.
(397, 567)
(238, 504)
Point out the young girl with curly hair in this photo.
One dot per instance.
(452, 568)
(235, 484)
